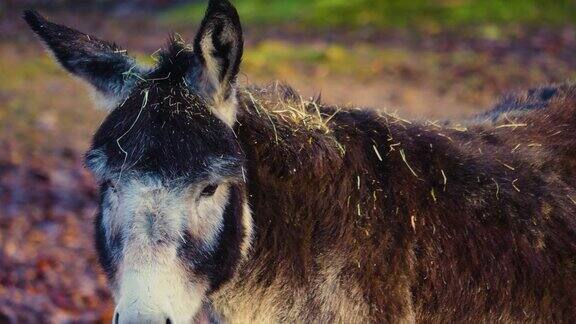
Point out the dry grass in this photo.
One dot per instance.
(302, 114)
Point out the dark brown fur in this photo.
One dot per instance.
(467, 226)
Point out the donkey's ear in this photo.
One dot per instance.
(218, 47)
(103, 65)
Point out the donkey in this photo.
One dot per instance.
(221, 203)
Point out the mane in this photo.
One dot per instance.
(175, 60)
(291, 126)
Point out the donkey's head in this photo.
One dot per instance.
(173, 221)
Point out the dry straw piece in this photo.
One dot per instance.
(285, 109)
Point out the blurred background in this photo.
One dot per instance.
(425, 59)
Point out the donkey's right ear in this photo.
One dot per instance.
(103, 65)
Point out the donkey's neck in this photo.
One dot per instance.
(320, 188)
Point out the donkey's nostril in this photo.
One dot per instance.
(168, 321)
(116, 317)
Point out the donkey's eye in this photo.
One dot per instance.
(109, 184)
(209, 190)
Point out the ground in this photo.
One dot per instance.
(47, 198)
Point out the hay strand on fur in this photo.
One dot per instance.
(144, 103)
(444, 178)
(514, 185)
(403, 155)
(377, 153)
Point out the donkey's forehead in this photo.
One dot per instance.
(164, 129)
(215, 169)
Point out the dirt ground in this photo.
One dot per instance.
(48, 266)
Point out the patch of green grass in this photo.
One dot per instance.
(390, 13)
(252, 12)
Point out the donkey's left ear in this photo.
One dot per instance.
(218, 47)
(107, 68)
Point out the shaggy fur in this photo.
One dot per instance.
(415, 221)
